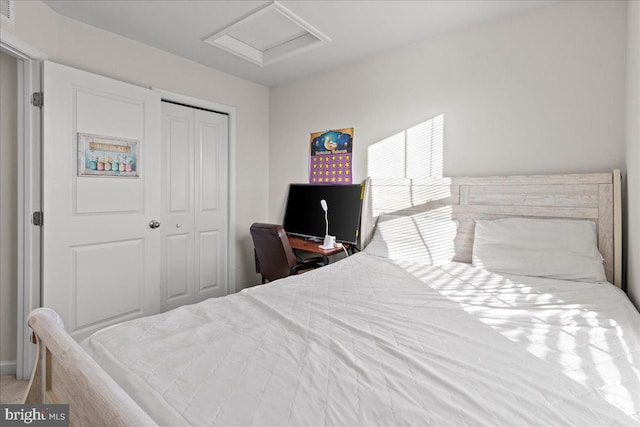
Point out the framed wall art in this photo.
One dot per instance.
(107, 156)
(331, 157)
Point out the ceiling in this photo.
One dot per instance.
(356, 29)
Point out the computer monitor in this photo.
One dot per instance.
(304, 215)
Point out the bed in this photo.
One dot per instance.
(378, 338)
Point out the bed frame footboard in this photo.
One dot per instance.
(65, 373)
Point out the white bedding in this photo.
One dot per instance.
(367, 342)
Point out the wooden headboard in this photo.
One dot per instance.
(594, 196)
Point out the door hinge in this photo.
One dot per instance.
(37, 99)
(37, 219)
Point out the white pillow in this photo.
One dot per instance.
(556, 248)
(425, 238)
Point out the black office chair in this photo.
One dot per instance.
(274, 257)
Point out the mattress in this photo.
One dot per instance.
(366, 341)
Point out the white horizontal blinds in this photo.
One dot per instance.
(416, 152)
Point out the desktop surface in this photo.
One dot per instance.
(303, 244)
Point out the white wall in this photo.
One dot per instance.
(633, 153)
(8, 212)
(538, 93)
(72, 43)
(541, 92)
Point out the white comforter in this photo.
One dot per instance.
(366, 342)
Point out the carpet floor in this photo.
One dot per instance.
(12, 390)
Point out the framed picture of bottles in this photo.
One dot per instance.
(107, 156)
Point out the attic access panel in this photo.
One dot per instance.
(267, 35)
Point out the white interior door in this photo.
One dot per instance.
(177, 249)
(195, 205)
(211, 203)
(100, 257)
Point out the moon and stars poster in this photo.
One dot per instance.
(331, 157)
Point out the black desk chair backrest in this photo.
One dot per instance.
(274, 255)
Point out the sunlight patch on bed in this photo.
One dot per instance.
(534, 314)
(426, 237)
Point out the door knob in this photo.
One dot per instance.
(154, 224)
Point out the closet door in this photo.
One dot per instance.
(177, 254)
(195, 205)
(211, 203)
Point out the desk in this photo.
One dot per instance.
(302, 244)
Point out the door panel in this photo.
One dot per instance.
(107, 293)
(179, 163)
(209, 277)
(177, 257)
(211, 189)
(178, 252)
(209, 165)
(108, 197)
(100, 258)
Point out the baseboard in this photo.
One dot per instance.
(7, 367)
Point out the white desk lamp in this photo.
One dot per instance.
(329, 241)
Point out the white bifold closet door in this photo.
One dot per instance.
(194, 180)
